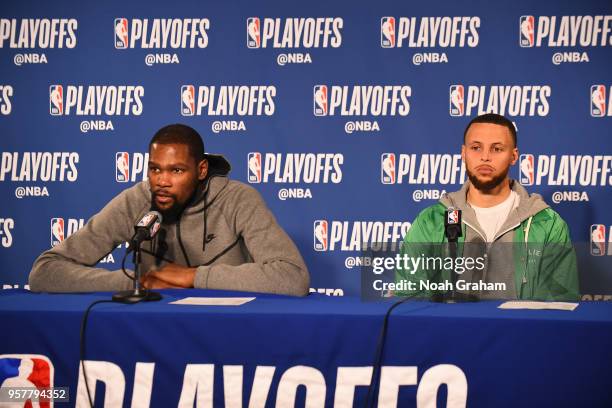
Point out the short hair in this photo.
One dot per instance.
(181, 134)
(495, 119)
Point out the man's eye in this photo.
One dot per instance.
(153, 169)
(178, 171)
(475, 147)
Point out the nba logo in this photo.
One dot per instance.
(154, 228)
(122, 167)
(253, 32)
(56, 100)
(387, 168)
(598, 239)
(453, 217)
(320, 100)
(187, 100)
(254, 167)
(526, 28)
(146, 220)
(526, 169)
(26, 371)
(456, 106)
(121, 33)
(57, 231)
(387, 32)
(598, 101)
(320, 235)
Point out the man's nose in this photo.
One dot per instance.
(163, 180)
(485, 156)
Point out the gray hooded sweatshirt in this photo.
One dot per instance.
(227, 231)
(500, 266)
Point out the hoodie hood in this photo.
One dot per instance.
(217, 165)
(205, 195)
(529, 204)
(215, 181)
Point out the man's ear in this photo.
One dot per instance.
(463, 152)
(202, 169)
(515, 156)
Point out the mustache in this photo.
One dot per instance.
(163, 193)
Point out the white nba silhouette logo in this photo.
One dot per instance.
(57, 231)
(254, 167)
(34, 372)
(527, 169)
(188, 100)
(56, 100)
(320, 100)
(320, 235)
(598, 101)
(456, 96)
(121, 33)
(387, 32)
(253, 32)
(122, 166)
(387, 166)
(526, 28)
(598, 239)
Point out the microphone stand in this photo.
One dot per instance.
(137, 294)
(452, 296)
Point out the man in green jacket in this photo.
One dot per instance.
(523, 245)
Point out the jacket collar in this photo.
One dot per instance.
(528, 205)
(208, 190)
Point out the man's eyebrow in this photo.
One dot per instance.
(181, 164)
(479, 142)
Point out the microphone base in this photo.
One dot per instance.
(129, 296)
(453, 297)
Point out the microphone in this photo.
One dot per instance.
(452, 224)
(452, 231)
(146, 228)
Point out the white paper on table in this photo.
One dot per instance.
(520, 304)
(213, 301)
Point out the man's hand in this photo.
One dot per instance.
(170, 276)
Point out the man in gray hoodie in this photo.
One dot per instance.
(217, 233)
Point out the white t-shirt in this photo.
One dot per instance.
(492, 218)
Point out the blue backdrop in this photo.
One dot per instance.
(345, 115)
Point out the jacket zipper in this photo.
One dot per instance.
(526, 232)
(472, 227)
(180, 240)
(524, 280)
(484, 239)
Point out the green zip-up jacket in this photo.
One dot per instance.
(539, 262)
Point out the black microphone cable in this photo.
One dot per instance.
(82, 346)
(132, 278)
(380, 348)
(123, 266)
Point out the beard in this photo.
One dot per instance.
(489, 185)
(170, 215)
